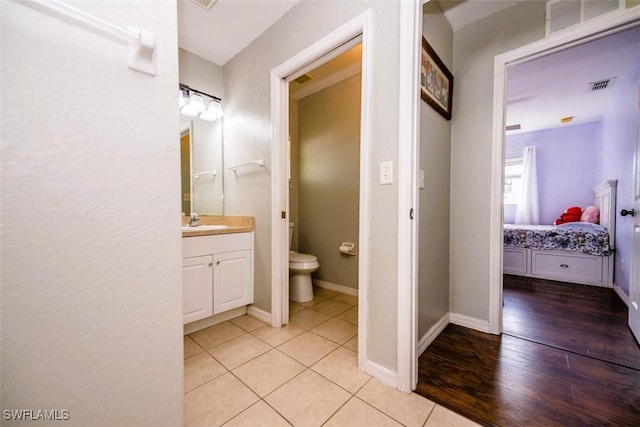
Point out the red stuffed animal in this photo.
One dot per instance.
(572, 214)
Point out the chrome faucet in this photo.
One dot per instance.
(195, 220)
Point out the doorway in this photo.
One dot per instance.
(345, 38)
(324, 169)
(579, 139)
(590, 31)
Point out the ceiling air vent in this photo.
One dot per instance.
(304, 78)
(601, 84)
(205, 4)
(566, 13)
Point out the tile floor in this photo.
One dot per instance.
(246, 373)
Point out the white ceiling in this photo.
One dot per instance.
(220, 33)
(463, 12)
(542, 91)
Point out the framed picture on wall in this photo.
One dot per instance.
(436, 81)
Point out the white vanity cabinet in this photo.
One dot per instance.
(197, 292)
(217, 274)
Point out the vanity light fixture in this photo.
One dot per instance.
(192, 103)
(213, 111)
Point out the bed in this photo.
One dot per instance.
(574, 252)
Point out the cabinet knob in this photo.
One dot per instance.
(564, 265)
(210, 264)
(218, 262)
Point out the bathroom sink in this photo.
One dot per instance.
(204, 227)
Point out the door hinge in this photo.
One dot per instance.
(283, 214)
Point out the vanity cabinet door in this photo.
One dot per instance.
(197, 288)
(233, 281)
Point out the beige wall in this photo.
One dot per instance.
(294, 188)
(475, 47)
(91, 274)
(329, 179)
(435, 159)
(206, 141)
(247, 136)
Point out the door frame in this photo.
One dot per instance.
(408, 161)
(361, 25)
(590, 30)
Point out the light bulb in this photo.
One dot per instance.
(213, 111)
(196, 103)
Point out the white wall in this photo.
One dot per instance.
(435, 159)
(91, 282)
(475, 47)
(206, 143)
(200, 73)
(247, 136)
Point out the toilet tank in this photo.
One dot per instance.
(290, 235)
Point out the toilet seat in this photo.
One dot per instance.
(298, 257)
(302, 261)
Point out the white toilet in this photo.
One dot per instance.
(300, 268)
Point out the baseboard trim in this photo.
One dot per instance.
(259, 314)
(623, 296)
(470, 322)
(213, 320)
(335, 287)
(432, 334)
(382, 374)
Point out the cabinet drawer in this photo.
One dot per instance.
(200, 245)
(567, 267)
(515, 261)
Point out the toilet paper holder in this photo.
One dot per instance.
(347, 248)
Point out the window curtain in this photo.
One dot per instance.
(527, 211)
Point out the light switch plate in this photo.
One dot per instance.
(386, 173)
(421, 186)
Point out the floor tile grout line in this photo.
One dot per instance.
(245, 362)
(310, 367)
(433, 408)
(261, 339)
(380, 410)
(337, 410)
(278, 412)
(333, 382)
(286, 382)
(329, 339)
(206, 382)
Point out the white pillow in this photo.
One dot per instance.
(581, 226)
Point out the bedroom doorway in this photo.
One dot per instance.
(502, 99)
(554, 160)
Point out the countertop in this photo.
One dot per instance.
(236, 224)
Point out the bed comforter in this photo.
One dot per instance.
(553, 238)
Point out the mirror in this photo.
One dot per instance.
(201, 166)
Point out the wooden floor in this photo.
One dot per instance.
(587, 320)
(515, 381)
